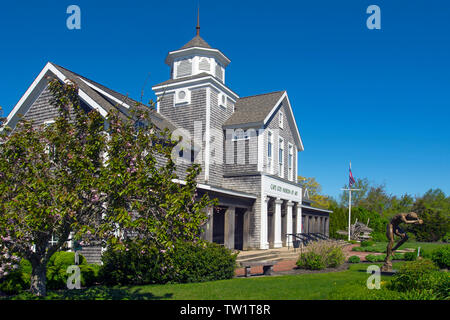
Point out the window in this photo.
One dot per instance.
(182, 96)
(290, 162)
(204, 64)
(240, 134)
(269, 151)
(280, 119)
(222, 100)
(281, 158)
(184, 68)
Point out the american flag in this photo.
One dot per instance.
(351, 180)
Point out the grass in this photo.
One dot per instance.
(381, 246)
(349, 284)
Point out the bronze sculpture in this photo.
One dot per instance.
(394, 229)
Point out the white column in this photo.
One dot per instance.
(289, 208)
(299, 219)
(264, 241)
(277, 243)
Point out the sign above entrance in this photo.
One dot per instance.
(279, 189)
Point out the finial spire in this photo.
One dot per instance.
(198, 20)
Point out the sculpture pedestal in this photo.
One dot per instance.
(387, 266)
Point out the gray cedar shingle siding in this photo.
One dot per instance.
(41, 110)
(184, 116)
(286, 134)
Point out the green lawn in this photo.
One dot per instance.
(349, 284)
(427, 246)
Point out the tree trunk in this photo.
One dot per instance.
(39, 279)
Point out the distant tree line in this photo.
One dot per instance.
(374, 204)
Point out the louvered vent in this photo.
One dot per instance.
(184, 68)
(219, 72)
(204, 65)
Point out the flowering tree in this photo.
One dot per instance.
(78, 176)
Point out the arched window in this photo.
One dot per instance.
(184, 68)
(204, 65)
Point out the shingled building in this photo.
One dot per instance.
(247, 146)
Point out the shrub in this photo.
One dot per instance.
(354, 259)
(186, 262)
(367, 243)
(131, 266)
(204, 261)
(411, 256)
(413, 275)
(320, 255)
(375, 258)
(378, 236)
(441, 256)
(311, 261)
(57, 269)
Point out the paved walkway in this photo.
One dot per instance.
(290, 264)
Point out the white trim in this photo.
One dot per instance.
(207, 132)
(218, 189)
(290, 152)
(193, 51)
(296, 164)
(105, 93)
(167, 88)
(39, 84)
(261, 148)
(272, 163)
(84, 96)
(292, 118)
(282, 164)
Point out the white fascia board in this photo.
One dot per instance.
(168, 88)
(243, 125)
(41, 82)
(300, 143)
(218, 189)
(121, 103)
(172, 55)
(84, 96)
(38, 84)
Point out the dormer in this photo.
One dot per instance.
(197, 57)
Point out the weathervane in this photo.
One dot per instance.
(198, 19)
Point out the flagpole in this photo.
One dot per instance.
(350, 204)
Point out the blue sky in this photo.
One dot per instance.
(380, 98)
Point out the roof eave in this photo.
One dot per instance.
(172, 55)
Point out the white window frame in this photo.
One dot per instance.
(270, 161)
(242, 136)
(291, 165)
(186, 99)
(280, 119)
(220, 98)
(281, 152)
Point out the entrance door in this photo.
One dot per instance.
(239, 228)
(219, 225)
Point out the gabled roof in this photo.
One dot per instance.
(253, 109)
(94, 94)
(197, 41)
(256, 111)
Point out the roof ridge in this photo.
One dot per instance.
(98, 84)
(262, 94)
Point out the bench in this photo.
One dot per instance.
(267, 266)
